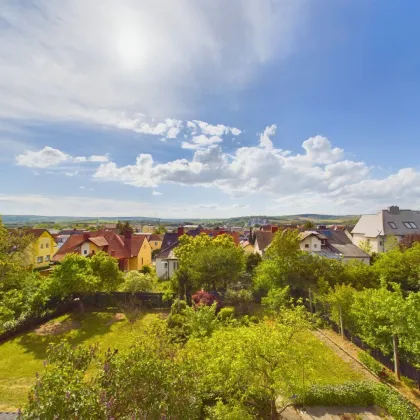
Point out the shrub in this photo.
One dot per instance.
(254, 319)
(361, 394)
(376, 367)
(276, 298)
(226, 313)
(135, 281)
(241, 300)
(201, 320)
(202, 298)
(178, 307)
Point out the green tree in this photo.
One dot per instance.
(252, 261)
(366, 246)
(124, 227)
(285, 244)
(309, 225)
(138, 282)
(380, 316)
(106, 269)
(209, 263)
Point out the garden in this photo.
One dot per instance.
(236, 343)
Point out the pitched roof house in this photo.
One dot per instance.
(376, 228)
(131, 251)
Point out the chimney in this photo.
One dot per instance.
(274, 229)
(394, 210)
(127, 240)
(180, 230)
(86, 236)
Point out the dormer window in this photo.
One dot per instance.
(322, 241)
(410, 225)
(393, 225)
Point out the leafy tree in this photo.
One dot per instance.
(276, 299)
(252, 261)
(309, 225)
(160, 229)
(409, 240)
(381, 319)
(138, 282)
(106, 269)
(124, 227)
(201, 320)
(241, 300)
(209, 263)
(400, 266)
(285, 244)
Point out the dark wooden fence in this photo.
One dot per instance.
(101, 301)
(406, 369)
(116, 299)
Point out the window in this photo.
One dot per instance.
(47, 258)
(156, 244)
(380, 243)
(315, 245)
(165, 265)
(410, 225)
(393, 225)
(85, 251)
(39, 260)
(142, 261)
(306, 245)
(322, 241)
(47, 245)
(42, 246)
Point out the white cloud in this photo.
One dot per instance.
(43, 158)
(213, 130)
(156, 193)
(74, 173)
(201, 141)
(122, 58)
(48, 156)
(265, 140)
(320, 175)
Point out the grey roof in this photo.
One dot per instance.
(339, 243)
(263, 238)
(373, 225)
(170, 241)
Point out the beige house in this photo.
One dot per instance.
(374, 229)
(311, 241)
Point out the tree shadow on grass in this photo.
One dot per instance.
(89, 325)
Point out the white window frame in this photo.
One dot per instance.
(47, 258)
(410, 225)
(39, 260)
(393, 225)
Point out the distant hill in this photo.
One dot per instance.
(31, 220)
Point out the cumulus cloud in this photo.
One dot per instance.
(48, 156)
(201, 141)
(252, 169)
(265, 140)
(122, 58)
(156, 193)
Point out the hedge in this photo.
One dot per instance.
(361, 394)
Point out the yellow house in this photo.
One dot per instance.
(41, 250)
(132, 251)
(155, 241)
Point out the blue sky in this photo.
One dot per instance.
(208, 109)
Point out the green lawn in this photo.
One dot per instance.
(22, 357)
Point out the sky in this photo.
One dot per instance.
(191, 108)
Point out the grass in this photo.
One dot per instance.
(23, 356)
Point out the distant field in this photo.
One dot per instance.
(22, 357)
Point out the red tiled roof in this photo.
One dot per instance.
(99, 241)
(155, 237)
(116, 245)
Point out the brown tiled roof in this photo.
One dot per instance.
(263, 238)
(116, 245)
(99, 241)
(155, 237)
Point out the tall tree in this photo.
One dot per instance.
(210, 263)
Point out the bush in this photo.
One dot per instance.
(178, 307)
(202, 298)
(377, 368)
(135, 281)
(201, 320)
(276, 299)
(226, 313)
(361, 394)
(241, 300)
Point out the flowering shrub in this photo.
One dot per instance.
(202, 298)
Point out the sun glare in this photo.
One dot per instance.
(131, 48)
